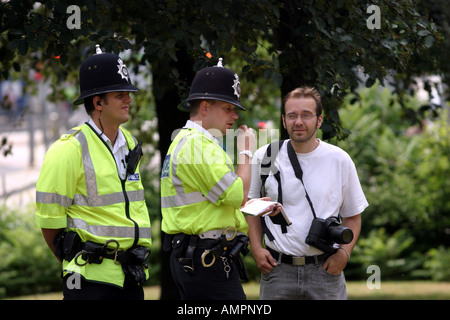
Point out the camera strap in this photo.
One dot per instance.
(268, 168)
(298, 172)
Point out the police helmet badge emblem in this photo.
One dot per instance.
(123, 71)
(237, 86)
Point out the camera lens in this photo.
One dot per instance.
(340, 234)
(347, 235)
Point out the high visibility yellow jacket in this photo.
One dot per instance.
(79, 189)
(199, 189)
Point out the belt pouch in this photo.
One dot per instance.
(72, 245)
(167, 242)
(58, 242)
(133, 263)
(93, 252)
(188, 260)
(179, 245)
(239, 245)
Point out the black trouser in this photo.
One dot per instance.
(88, 290)
(207, 283)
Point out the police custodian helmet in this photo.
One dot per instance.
(215, 83)
(101, 73)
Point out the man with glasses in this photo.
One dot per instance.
(327, 186)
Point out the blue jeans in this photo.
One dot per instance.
(311, 281)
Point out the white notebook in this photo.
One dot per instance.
(257, 207)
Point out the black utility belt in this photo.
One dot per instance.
(69, 246)
(226, 244)
(92, 252)
(298, 261)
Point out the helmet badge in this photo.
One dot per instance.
(237, 86)
(123, 71)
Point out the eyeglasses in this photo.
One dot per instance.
(304, 116)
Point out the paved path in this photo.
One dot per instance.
(17, 177)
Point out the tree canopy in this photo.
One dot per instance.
(320, 43)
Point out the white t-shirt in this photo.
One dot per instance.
(331, 180)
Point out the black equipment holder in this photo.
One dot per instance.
(69, 246)
(133, 158)
(187, 261)
(184, 245)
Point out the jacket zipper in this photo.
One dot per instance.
(124, 191)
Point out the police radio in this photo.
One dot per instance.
(133, 158)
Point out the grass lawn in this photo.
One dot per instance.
(396, 290)
(357, 290)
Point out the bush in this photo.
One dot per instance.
(436, 265)
(388, 252)
(27, 265)
(405, 179)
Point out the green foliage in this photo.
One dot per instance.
(436, 266)
(389, 252)
(27, 265)
(172, 36)
(324, 43)
(403, 168)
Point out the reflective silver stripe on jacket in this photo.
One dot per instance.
(91, 198)
(107, 231)
(183, 199)
(107, 199)
(46, 197)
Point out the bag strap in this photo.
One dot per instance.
(268, 163)
(298, 172)
(268, 168)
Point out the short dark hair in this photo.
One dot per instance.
(89, 102)
(304, 92)
(194, 105)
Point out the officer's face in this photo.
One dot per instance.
(301, 120)
(222, 115)
(116, 107)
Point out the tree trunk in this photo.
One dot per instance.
(167, 98)
(294, 75)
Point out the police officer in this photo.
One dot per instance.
(89, 195)
(201, 193)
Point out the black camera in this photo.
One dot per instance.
(324, 233)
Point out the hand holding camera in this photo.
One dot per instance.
(324, 233)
